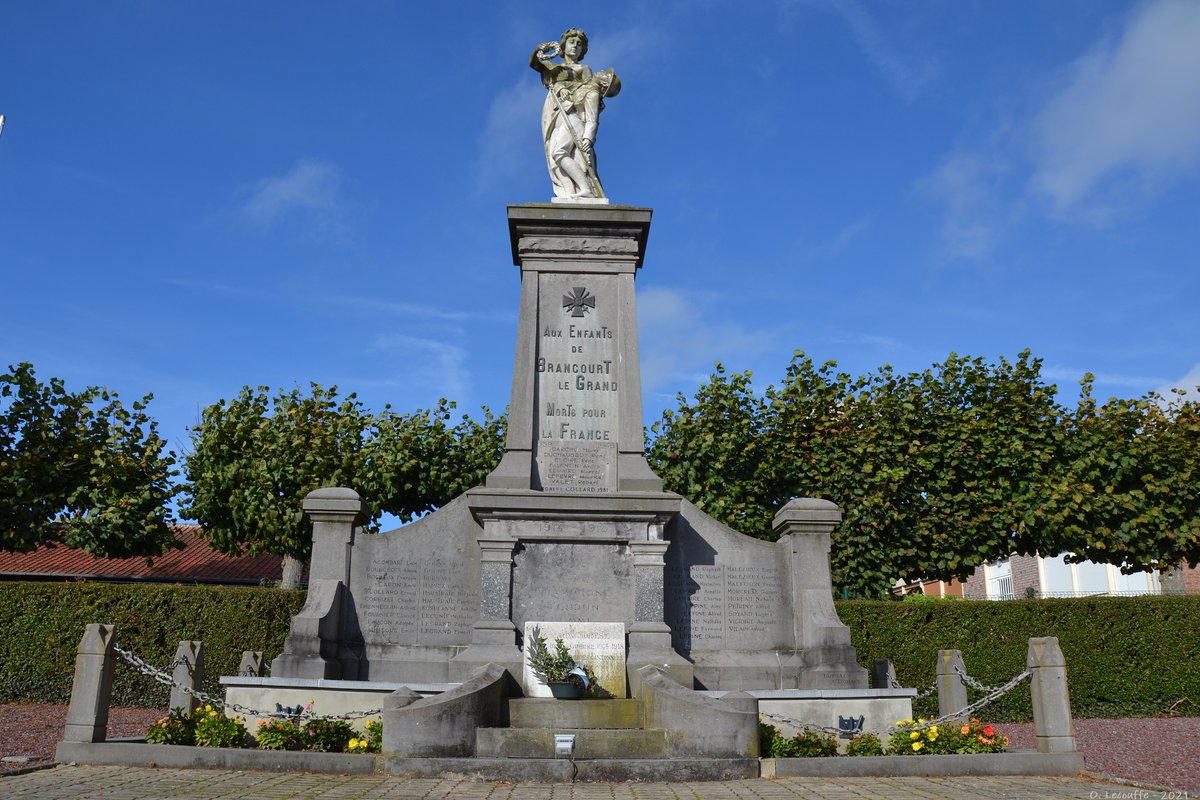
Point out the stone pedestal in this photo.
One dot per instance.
(188, 672)
(321, 641)
(91, 688)
(649, 635)
(1053, 727)
(575, 421)
(493, 637)
(826, 659)
(951, 691)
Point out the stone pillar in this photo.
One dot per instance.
(188, 672)
(951, 691)
(649, 636)
(252, 665)
(493, 637)
(577, 376)
(825, 658)
(883, 674)
(91, 688)
(314, 648)
(1052, 725)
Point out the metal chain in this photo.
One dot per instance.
(895, 684)
(974, 684)
(165, 678)
(967, 711)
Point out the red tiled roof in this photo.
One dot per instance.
(195, 563)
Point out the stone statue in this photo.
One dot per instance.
(571, 114)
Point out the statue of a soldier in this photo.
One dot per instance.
(574, 99)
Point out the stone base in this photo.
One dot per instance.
(139, 754)
(878, 708)
(327, 696)
(561, 770)
(580, 201)
(1021, 762)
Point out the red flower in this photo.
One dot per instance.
(989, 731)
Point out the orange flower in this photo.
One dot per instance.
(965, 730)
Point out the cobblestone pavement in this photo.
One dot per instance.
(125, 783)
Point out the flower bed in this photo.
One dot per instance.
(909, 737)
(208, 727)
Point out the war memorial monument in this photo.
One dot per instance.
(689, 629)
(572, 530)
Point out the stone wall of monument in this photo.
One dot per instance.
(415, 594)
(724, 590)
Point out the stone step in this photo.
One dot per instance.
(590, 743)
(550, 770)
(537, 712)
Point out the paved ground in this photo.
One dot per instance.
(123, 783)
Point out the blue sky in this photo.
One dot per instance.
(198, 196)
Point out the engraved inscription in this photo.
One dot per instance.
(570, 467)
(415, 601)
(718, 606)
(577, 384)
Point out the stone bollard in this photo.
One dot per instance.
(883, 674)
(252, 665)
(1052, 725)
(189, 671)
(91, 689)
(952, 692)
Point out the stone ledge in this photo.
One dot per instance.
(1020, 762)
(561, 770)
(133, 754)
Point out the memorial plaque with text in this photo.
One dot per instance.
(712, 607)
(577, 383)
(415, 600)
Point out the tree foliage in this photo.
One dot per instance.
(80, 469)
(942, 470)
(254, 459)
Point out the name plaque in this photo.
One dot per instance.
(577, 384)
(416, 601)
(720, 606)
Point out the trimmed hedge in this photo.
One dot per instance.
(43, 622)
(1125, 655)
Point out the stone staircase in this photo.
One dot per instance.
(486, 728)
(611, 743)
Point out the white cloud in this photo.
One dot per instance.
(310, 192)
(1129, 112)
(421, 310)
(1189, 383)
(434, 364)
(510, 144)
(680, 338)
(838, 244)
(906, 74)
(967, 184)
(1074, 375)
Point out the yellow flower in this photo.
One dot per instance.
(918, 745)
(208, 708)
(915, 735)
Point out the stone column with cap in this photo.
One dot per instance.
(91, 688)
(314, 648)
(825, 659)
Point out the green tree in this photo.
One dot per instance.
(254, 459)
(940, 471)
(80, 469)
